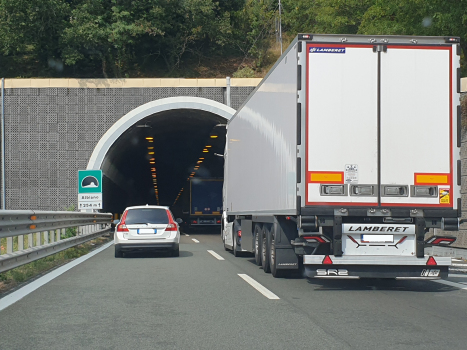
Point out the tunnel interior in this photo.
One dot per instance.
(152, 161)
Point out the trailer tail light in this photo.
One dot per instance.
(431, 261)
(395, 191)
(441, 241)
(318, 239)
(424, 191)
(327, 260)
(218, 221)
(333, 190)
(362, 190)
(194, 222)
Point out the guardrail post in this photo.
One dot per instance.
(9, 245)
(30, 240)
(52, 236)
(46, 237)
(38, 239)
(20, 242)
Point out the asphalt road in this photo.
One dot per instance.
(197, 301)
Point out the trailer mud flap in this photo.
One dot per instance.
(359, 271)
(286, 259)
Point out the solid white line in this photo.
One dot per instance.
(195, 240)
(214, 254)
(31, 287)
(452, 284)
(459, 275)
(263, 290)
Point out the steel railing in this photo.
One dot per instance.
(28, 235)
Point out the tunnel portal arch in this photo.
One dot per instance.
(152, 108)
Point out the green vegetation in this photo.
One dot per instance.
(194, 38)
(13, 277)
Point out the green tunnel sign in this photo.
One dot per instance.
(89, 189)
(89, 181)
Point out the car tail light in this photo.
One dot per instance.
(218, 221)
(431, 261)
(172, 226)
(239, 233)
(122, 228)
(327, 260)
(194, 222)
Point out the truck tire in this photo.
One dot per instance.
(234, 245)
(258, 242)
(272, 255)
(265, 249)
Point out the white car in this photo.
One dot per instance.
(148, 227)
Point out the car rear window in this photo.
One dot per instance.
(146, 216)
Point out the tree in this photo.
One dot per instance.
(30, 31)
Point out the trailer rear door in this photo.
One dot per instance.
(341, 137)
(416, 126)
(379, 125)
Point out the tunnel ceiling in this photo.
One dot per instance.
(179, 137)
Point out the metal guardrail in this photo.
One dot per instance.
(42, 231)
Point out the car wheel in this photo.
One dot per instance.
(176, 252)
(272, 255)
(265, 250)
(118, 253)
(258, 241)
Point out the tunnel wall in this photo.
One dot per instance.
(50, 133)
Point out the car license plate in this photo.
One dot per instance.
(377, 239)
(146, 230)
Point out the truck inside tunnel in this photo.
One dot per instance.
(153, 160)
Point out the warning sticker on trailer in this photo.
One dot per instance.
(351, 173)
(444, 197)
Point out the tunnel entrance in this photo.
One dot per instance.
(149, 155)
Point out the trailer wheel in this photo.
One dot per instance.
(236, 253)
(272, 255)
(265, 249)
(258, 242)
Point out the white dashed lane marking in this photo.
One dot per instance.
(452, 284)
(260, 288)
(195, 240)
(214, 254)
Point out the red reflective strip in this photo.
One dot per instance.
(401, 240)
(442, 239)
(316, 238)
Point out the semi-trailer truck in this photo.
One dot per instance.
(205, 202)
(345, 156)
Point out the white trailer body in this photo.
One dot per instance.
(346, 154)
